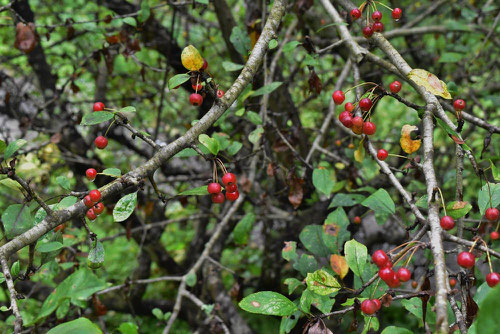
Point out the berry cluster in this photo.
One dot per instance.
(100, 142)
(370, 306)
(392, 278)
(467, 260)
(356, 123)
(196, 99)
(376, 24)
(229, 181)
(91, 201)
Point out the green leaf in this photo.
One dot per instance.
(380, 201)
(231, 67)
(130, 21)
(306, 264)
(185, 153)
(178, 80)
(16, 220)
(483, 200)
(253, 117)
(489, 312)
(66, 202)
(288, 323)
(293, 284)
(234, 147)
(396, 330)
(3, 145)
(95, 259)
(63, 181)
(240, 40)
(458, 138)
(312, 239)
(128, 109)
(346, 200)
(191, 279)
(4, 308)
(128, 328)
(158, 313)
(289, 252)
(78, 326)
(205, 2)
(63, 309)
(322, 303)
(290, 46)
(267, 89)
(2, 278)
(114, 172)
(273, 44)
(211, 143)
(14, 270)
(13, 147)
(322, 180)
(322, 283)
(494, 171)
(125, 207)
(144, 12)
(268, 303)
(96, 117)
(355, 255)
(199, 191)
(49, 247)
(458, 209)
(335, 231)
(450, 57)
(422, 202)
(255, 135)
(242, 229)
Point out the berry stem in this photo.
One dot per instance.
(442, 200)
(473, 245)
(411, 255)
(375, 290)
(214, 171)
(380, 3)
(109, 127)
(397, 155)
(361, 84)
(488, 255)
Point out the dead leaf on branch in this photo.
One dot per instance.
(191, 58)
(430, 82)
(296, 192)
(407, 144)
(26, 37)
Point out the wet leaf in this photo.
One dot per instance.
(407, 144)
(125, 207)
(95, 259)
(430, 82)
(191, 58)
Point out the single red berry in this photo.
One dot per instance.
(378, 27)
(382, 154)
(95, 195)
(385, 274)
(347, 122)
(357, 130)
(88, 202)
(365, 104)
(404, 274)
(369, 128)
(379, 258)
(214, 188)
(447, 223)
(101, 142)
(466, 260)
(397, 13)
(378, 303)
(395, 87)
(492, 279)
(60, 228)
(98, 208)
(220, 93)
(349, 107)
(91, 214)
(355, 14)
(377, 16)
(357, 220)
(368, 307)
(453, 282)
(357, 121)
(367, 31)
(494, 235)
(394, 282)
(388, 264)
(338, 142)
(205, 65)
(492, 214)
(196, 99)
(232, 196)
(231, 188)
(228, 178)
(218, 198)
(98, 106)
(338, 97)
(459, 104)
(197, 87)
(414, 284)
(91, 173)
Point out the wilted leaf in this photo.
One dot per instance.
(407, 144)
(339, 265)
(191, 58)
(26, 37)
(430, 82)
(296, 192)
(314, 82)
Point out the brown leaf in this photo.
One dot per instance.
(308, 45)
(270, 169)
(296, 193)
(314, 81)
(114, 39)
(457, 140)
(107, 19)
(99, 307)
(386, 300)
(339, 265)
(26, 37)
(316, 326)
(472, 309)
(55, 138)
(425, 286)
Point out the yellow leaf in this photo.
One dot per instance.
(430, 82)
(359, 154)
(191, 58)
(407, 144)
(339, 265)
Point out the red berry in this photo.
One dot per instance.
(357, 121)
(98, 106)
(355, 14)
(459, 104)
(231, 188)
(369, 128)
(338, 97)
(378, 27)
(205, 65)
(357, 130)
(91, 214)
(98, 208)
(394, 282)
(492, 214)
(220, 93)
(404, 274)
(368, 307)
(414, 284)
(395, 87)
(91, 174)
(382, 154)
(453, 282)
(397, 13)
(101, 142)
(357, 220)
(388, 264)
(88, 202)
(494, 235)
(228, 178)
(346, 119)
(197, 87)
(447, 223)
(377, 16)
(349, 107)
(380, 258)
(367, 32)
(466, 260)
(196, 99)
(232, 196)
(218, 198)
(214, 188)
(492, 279)
(95, 195)
(59, 228)
(386, 274)
(378, 303)
(365, 104)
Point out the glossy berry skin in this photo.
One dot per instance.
(88, 202)
(459, 104)
(91, 173)
(494, 235)
(214, 188)
(404, 274)
(378, 27)
(355, 14)
(365, 104)
(492, 279)
(218, 198)
(394, 282)
(95, 195)
(98, 106)
(338, 97)
(414, 284)
(466, 260)
(91, 214)
(447, 223)
(380, 258)
(395, 87)
(357, 121)
(367, 32)
(377, 16)
(349, 107)
(357, 130)
(369, 128)
(453, 282)
(101, 142)
(492, 214)
(382, 154)
(197, 87)
(357, 220)
(378, 303)
(98, 208)
(397, 13)
(346, 119)
(205, 65)
(220, 93)
(386, 274)
(232, 196)
(231, 188)
(228, 178)
(368, 307)
(196, 99)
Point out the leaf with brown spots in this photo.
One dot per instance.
(339, 265)
(430, 82)
(407, 144)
